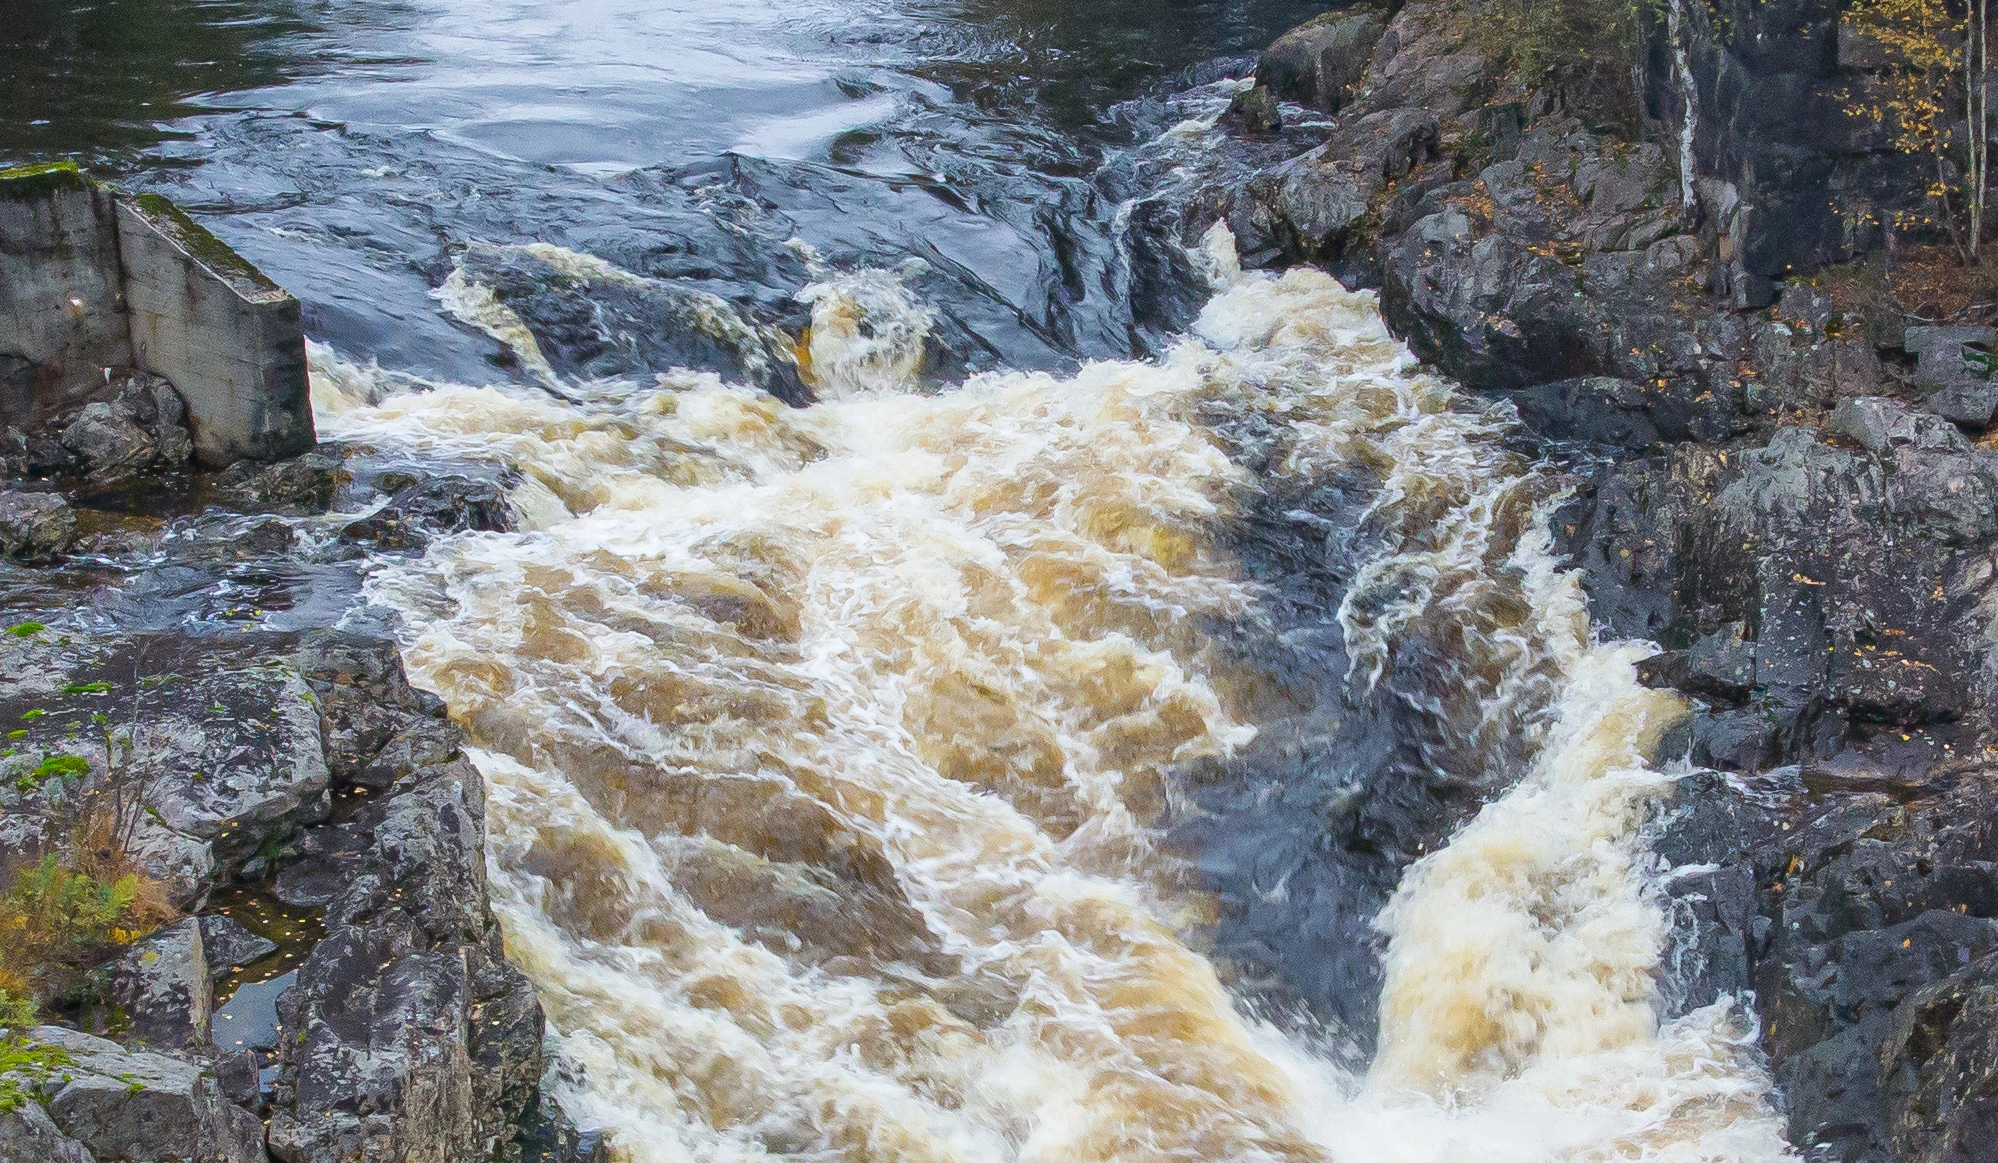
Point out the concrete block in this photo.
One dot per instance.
(62, 311)
(93, 280)
(228, 338)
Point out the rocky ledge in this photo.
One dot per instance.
(1778, 428)
(253, 855)
(303, 768)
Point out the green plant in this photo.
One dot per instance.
(24, 1067)
(54, 767)
(26, 629)
(56, 919)
(87, 688)
(58, 909)
(16, 1012)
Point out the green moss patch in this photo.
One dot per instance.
(205, 248)
(24, 183)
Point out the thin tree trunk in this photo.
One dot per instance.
(1980, 139)
(1682, 72)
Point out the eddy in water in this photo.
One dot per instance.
(830, 753)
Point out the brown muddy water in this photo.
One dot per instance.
(1127, 717)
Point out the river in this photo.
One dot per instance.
(1126, 717)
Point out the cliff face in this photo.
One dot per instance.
(1783, 475)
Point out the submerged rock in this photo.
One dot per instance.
(433, 507)
(301, 484)
(227, 945)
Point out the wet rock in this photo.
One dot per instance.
(1867, 940)
(414, 1029)
(162, 984)
(584, 318)
(1321, 62)
(366, 703)
(1849, 577)
(1601, 411)
(433, 507)
(227, 945)
(1255, 110)
(1722, 664)
(129, 1107)
(302, 484)
(35, 526)
(219, 738)
(553, 1138)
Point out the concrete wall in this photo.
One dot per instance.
(92, 279)
(62, 312)
(227, 337)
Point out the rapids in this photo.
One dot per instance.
(831, 754)
(1137, 714)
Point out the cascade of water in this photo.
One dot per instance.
(826, 750)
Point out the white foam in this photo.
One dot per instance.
(826, 749)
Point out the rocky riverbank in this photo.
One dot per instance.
(245, 858)
(1782, 473)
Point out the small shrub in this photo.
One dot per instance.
(26, 629)
(87, 688)
(56, 920)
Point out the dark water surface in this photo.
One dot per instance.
(351, 149)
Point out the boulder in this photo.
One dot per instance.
(132, 1107)
(1255, 110)
(1881, 425)
(162, 983)
(228, 945)
(28, 1135)
(437, 505)
(1320, 63)
(35, 526)
(1954, 366)
(143, 428)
